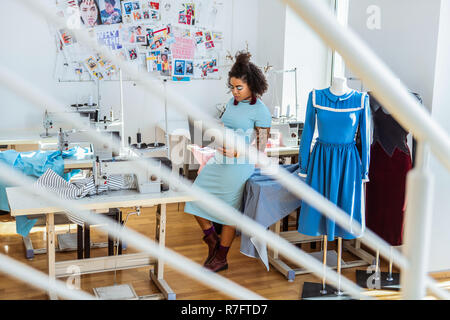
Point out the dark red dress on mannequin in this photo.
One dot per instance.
(390, 161)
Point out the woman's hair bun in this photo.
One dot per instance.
(243, 57)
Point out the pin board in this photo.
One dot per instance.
(172, 39)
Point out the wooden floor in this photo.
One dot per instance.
(183, 236)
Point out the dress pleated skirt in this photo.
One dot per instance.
(335, 171)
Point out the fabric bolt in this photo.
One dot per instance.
(33, 164)
(391, 161)
(266, 201)
(225, 177)
(81, 188)
(334, 167)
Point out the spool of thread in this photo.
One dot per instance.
(288, 110)
(138, 137)
(276, 112)
(129, 141)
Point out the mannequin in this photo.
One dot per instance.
(339, 86)
(337, 112)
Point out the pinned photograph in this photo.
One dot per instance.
(179, 68)
(98, 75)
(199, 37)
(209, 45)
(141, 39)
(128, 7)
(187, 14)
(182, 19)
(217, 36)
(136, 5)
(165, 64)
(137, 16)
(208, 36)
(66, 37)
(89, 13)
(132, 53)
(154, 5)
(109, 38)
(91, 63)
(189, 68)
(154, 14)
(110, 11)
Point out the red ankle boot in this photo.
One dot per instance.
(213, 242)
(219, 260)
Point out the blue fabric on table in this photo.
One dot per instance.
(33, 164)
(266, 201)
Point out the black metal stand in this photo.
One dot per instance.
(369, 280)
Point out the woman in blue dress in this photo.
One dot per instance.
(334, 167)
(225, 175)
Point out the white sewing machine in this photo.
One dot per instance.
(290, 132)
(145, 180)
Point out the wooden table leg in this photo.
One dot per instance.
(160, 237)
(157, 275)
(50, 233)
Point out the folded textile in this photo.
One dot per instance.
(80, 188)
(34, 164)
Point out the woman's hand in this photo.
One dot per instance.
(230, 153)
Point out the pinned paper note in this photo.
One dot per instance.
(183, 48)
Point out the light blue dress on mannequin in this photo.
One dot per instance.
(334, 167)
(223, 177)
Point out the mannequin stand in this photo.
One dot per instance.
(378, 280)
(322, 291)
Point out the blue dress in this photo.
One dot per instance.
(224, 177)
(334, 168)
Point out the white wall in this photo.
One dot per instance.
(440, 236)
(31, 52)
(305, 51)
(407, 39)
(414, 40)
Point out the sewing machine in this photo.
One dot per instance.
(290, 132)
(71, 138)
(146, 182)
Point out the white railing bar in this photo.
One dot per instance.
(376, 75)
(250, 226)
(133, 238)
(14, 83)
(39, 280)
(374, 72)
(184, 106)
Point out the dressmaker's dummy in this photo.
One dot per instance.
(339, 86)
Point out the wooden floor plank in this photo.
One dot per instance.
(184, 237)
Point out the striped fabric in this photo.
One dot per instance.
(80, 188)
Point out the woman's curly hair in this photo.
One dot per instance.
(249, 73)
